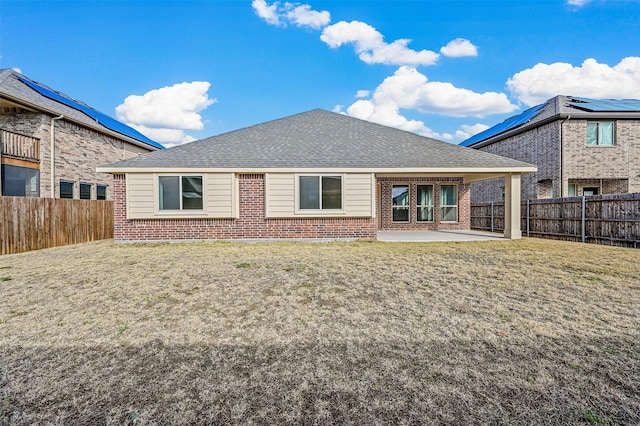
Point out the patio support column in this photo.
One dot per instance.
(512, 229)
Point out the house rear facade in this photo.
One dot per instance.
(311, 175)
(580, 146)
(51, 144)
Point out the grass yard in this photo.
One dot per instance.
(498, 332)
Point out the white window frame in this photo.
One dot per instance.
(443, 206)
(599, 133)
(321, 210)
(181, 210)
(575, 190)
(406, 207)
(421, 206)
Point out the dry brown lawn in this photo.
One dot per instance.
(523, 332)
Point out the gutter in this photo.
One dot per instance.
(52, 155)
(562, 157)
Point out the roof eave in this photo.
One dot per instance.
(560, 116)
(516, 131)
(390, 170)
(100, 129)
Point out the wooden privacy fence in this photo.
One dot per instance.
(36, 223)
(601, 219)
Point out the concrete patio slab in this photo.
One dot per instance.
(427, 236)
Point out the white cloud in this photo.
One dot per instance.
(577, 3)
(592, 80)
(167, 137)
(303, 16)
(458, 48)
(174, 106)
(362, 93)
(162, 114)
(408, 89)
(389, 115)
(18, 70)
(266, 12)
(300, 15)
(466, 131)
(370, 46)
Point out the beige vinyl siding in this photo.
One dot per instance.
(357, 197)
(220, 189)
(359, 193)
(142, 196)
(280, 191)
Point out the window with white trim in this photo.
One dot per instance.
(600, 133)
(425, 203)
(320, 192)
(400, 203)
(180, 193)
(449, 203)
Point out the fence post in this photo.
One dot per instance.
(528, 201)
(584, 219)
(492, 216)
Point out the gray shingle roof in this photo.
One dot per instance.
(318, 139)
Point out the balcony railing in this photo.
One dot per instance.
(19, 146)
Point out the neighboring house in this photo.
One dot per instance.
(580, 146)
(312, 175)
(35, 121)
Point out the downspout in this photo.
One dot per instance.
(52, 155)
(562, 157)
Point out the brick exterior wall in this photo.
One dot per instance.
(618, 162)
(21, 121)
(614, 169)
(386, 201)
(251, 223)
(79, 150)
(541, 147)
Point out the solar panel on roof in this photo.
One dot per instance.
(508, 124)
(605, 105)
(105, 120)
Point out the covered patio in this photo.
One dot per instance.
(437, 207)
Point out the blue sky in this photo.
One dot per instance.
(185, 70)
